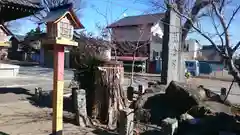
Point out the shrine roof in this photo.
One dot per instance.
(19, 38)
(5, 29)
(137, 20)
(15, 9)
(27, 3)
(57, 13)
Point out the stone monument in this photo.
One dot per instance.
(173, 63)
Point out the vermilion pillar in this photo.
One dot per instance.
(58, 86)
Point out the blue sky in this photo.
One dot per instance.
(93, 12)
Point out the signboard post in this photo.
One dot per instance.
(61, 22)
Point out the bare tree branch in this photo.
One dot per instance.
(232, 17)
(216, 29)
(236, 47)
(225, 29)
(195, 10)
(222, 4)
(190, 22)
(228, 50)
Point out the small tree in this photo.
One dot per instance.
(126, 46)
(27, 45)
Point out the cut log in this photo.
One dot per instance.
(105, 95)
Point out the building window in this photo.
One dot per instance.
(155, 54)
(65, 30)
(186, 47)
(19, 47)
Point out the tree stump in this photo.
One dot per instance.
(109, 96)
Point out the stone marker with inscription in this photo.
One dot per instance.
(174, 67)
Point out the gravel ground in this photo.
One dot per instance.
(14, 112)
(216, 85)
(21, 118)
(31, 77)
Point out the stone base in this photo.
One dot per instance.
(126, 125)
(169, 126)
(8, 70)
(79, 101)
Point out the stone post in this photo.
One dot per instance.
(74, 96)
(126, 124)
(172, 64)
(38, 94)
(169, 126)
(130, 91)
(79, 101)
(140, 90)
(42, 56)
(223, 93)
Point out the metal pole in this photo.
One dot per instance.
(58, 85)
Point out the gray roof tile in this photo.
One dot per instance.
(28, 3)
(54, 15)
(57, 12)
(138, 20)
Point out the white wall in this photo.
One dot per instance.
(154, 33)
(131, 33)
(157, 35)
(157, 29)
(193, 47)
(157, 47)
(3, 36)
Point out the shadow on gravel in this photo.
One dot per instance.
(103, 132)
(2, 133)
(45, 100)
(17, 90)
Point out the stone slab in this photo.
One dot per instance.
(8, 70)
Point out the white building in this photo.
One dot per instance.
(143, 30)
(192, 48)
